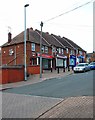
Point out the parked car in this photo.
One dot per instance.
(81, 67)
(92, 65)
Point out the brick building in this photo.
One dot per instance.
(0, 57)
(56, 51)
(90, 57)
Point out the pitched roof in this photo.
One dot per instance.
(66, 44)
(47, 40)
(51, 40)
(73, 44)
(33, 37)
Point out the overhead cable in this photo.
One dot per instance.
(68, 11)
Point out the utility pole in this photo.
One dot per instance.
(41, 50)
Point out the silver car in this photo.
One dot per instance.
(81, 67)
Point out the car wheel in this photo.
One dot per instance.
(84, 70)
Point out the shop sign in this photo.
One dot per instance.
(80, 56)
(59, 56)
(72, 56)
(45, 56)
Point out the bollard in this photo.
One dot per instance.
(58, 70)
(64, 69)
(72, 67)
(51, 69)
(68, 68)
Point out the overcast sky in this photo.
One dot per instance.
(76, 25)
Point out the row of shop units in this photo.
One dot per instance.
(56, 51)
(50, 61)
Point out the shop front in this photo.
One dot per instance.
(61, 61)
(72, 61)
(46, 61)
(33, 59)
(80, 59)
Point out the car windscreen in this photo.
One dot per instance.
(81, 65)
(92, 63)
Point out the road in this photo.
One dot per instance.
(64, 96)
(80, 84)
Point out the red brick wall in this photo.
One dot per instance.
(10, 75)
(33, 69)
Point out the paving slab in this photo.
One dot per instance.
(25, 106)
(73, 107)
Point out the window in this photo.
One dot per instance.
(77, 51)
(66, 50)
(59, 50)
(11, 51)
(71, 52)
(43, 48)
(53, 50)
(46, 49)
(80, 52)
(33, 46)
(62, 51)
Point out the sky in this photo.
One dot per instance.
(76, 25)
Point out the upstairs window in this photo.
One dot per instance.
(46, 49)
(11, 52)
(43, 49)
(62, 51)
(76, 51)
(59, 50)
(33, 46)
(71, 52)
(66, 50)
(80, 52)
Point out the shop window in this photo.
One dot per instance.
(46, 49)
(33, 46)
(33, 61)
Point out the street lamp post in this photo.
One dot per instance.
(41, 50)
(25, 69)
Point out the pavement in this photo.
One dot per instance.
(32, 79)
(27, 106)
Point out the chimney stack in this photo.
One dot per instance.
(9, 37)
(27, 33)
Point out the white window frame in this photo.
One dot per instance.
(11, 52)
(66, 50)
(46, 49)
(33, 46)
(71, 52)
(43, 49)
(62, 51)
(59, 50)
(80, 52)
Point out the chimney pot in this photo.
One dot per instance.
(9, 37)
(31, 28)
